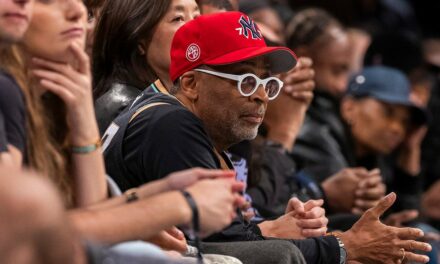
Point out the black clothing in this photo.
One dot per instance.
(164, 139)
(13, 110)
(109, 105)
(167, 138)
(276, 179)
(324, 146)
(3, 139)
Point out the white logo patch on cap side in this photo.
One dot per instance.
(193, 52)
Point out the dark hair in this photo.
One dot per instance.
(121, 26)
(401, 50)
(222, 4)
(309, 25)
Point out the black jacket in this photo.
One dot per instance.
(109, 105)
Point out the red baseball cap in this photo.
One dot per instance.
(224, 38)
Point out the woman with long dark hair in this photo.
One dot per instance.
(131, 50)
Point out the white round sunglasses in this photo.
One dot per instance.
(248, 83)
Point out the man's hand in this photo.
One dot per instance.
(370, 190)
(370, 241)
(172, 239)
(340, 188)
(182, 179)
(285, 115)
(301, 220)
(410, 150)
(397, 219)
(298, 82)
(247, 211)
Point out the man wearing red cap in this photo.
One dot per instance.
(222, 71)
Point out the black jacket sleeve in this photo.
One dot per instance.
(317, 152)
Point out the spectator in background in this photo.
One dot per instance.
(124, 64)
(367, 144)
(373, 16)
(268, 19)
(314, 33)
(93, 13)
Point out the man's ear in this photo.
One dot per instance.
(142, 48)
(188, 86)
(348, 110)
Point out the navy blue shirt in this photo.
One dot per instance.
(13, 109)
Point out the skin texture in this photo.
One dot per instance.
(370, 241)
(15, 16)
(387, 124)
(228, 116)
(69, 14)
(157, 49)
(331, 57)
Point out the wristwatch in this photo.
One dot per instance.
(342, 251)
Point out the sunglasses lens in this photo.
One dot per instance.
(248, 85)
(272, 88)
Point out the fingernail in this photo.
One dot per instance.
(429, 248)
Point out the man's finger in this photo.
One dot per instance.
(208, 174)
(402, 217)
(295, 205)
(409, 233)
(176, 233)
(312, 204)
(375, 171)
(298, 76)
(369, 182)
(314, 232)
(305, 62)
(383, 205)
(312, 223)
(237, 186)
(409, 256)
(411, 245)
(374, 193)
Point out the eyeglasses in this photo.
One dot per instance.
(248, 83)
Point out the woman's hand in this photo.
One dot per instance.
(72, 82)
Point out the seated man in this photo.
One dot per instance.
(217, 102)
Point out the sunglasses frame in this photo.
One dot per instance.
(240, 77)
